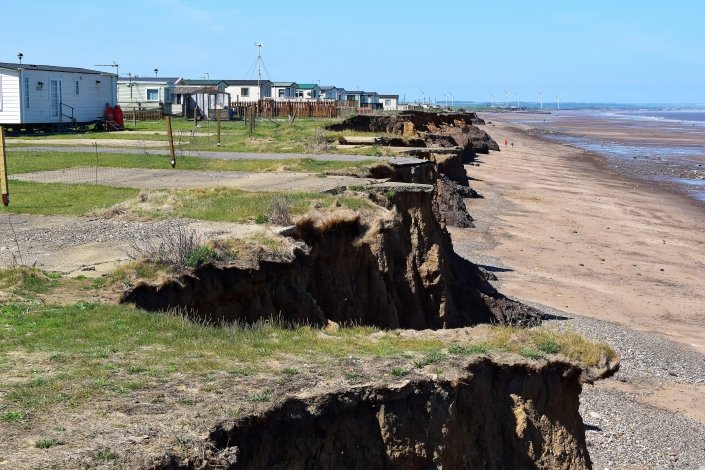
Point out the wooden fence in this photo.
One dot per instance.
(142, 114)
(272, 108)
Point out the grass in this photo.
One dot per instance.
(25, 282)
(460, 350)
(228, 204)
(214, 204)
(71, 355)
(270, 135)
(45, 443)
(11, 416)
(63, 199)
(109, 350)
(432, 357)
(400, 372)
(23, 161)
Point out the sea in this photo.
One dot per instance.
(662, 144)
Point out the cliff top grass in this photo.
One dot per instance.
(71, 372)
(213, 204)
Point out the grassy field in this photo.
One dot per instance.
(77, 377)
(214, 204)
(73, 354)
(22, 161)
(229, 205)
(270, 136)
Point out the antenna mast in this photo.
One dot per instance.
(258, 45)
(114, 65)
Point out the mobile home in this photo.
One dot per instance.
(47, 96)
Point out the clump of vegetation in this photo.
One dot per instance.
(11, 416)
(459, 350)
(280, 211)
(263, 396)
(45, 443)
(26, 282)
(200, 255)
(106, 455)
(400, 372)
(432, 357)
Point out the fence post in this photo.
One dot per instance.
(217, 125)
(3, 169)
(172, 154)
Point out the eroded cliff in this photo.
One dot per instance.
(485, 414)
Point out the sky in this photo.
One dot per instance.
(601, 51)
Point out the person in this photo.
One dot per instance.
(506, 141)
(512, 144)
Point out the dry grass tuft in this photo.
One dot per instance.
(381, 170)
(315, 225)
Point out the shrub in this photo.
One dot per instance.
(200, 255)
(280, 212)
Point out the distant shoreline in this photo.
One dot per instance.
(669, 156)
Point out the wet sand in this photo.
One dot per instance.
(559, 227)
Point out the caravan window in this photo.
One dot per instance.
(152, 94)
(77, 89)
(244, 92)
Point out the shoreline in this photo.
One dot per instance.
(559, 227)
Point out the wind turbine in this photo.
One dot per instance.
(506, 98)
(541, 95)
(558, 101)
(452, 99)
(423, 96)
(517, 99)
(446, 95)
(491, 95)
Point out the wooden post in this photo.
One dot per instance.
(134, 117)
(172, 154)
(251, 119)
(3, 170)
(217, 126)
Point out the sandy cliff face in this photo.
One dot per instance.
(486, 415)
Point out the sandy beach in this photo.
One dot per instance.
(571, 234)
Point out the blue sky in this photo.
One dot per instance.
(617, 51)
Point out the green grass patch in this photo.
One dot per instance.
(14, 416)
(45, 443)
(460, 350)
(63, 199)
(228, 204)
(263, 396)
(400, 372)
(109, 350)
(432, 357)
(26, 282)
(23, 161)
